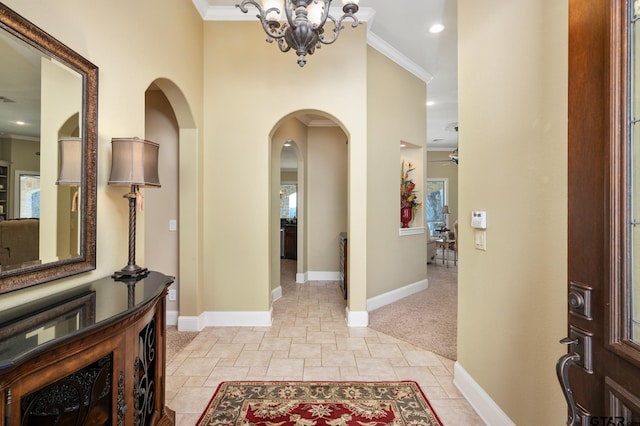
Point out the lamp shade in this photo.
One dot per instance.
(69, 161)
(134, 161)
(445, 210)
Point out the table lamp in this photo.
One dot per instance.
(70, 165)
(134, 162)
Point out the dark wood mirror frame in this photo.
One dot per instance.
(26, 31)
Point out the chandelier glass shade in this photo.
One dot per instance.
(299, 24)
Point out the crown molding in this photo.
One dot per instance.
(392, 53)
(201, 7)
(233, 13)
(365, 14)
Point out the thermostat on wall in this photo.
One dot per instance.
(479, 219)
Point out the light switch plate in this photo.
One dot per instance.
(173, 225)
(480, 239)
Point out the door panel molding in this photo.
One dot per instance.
(621, 402)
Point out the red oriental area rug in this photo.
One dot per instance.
(318, 404)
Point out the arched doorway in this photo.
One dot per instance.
(321, 187)
(169, 122)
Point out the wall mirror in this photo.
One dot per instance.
(48, 133)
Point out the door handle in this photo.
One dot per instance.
(562, 370)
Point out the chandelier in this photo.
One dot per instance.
(303, 29)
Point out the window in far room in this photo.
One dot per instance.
(28, 192)
(435, 200)
(288, 201)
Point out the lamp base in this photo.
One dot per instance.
(130, 272)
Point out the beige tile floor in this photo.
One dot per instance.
(309, 340)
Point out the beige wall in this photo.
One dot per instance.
(130, 51)
(513, 147)
(238, 157)
(396, 104)
(161, 204)
(288, 176)
(512, 297)
(327, 197)
(439, 165)
(230, 157)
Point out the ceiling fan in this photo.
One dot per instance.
(453, 157)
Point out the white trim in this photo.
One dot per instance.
(276, 294)
(322, 123)
(233, 13)
(392, 53)
(323, 276)
(395, 295)
(172, 317)
(226, 319)
(191, 323)
(239, 318)
(301, 278)
(486, 407)
(357, 318)
(412, 231)
(201, 7)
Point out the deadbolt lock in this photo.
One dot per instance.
(580, 300)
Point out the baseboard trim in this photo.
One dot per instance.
(487, 409)
(191, 323)
(395, 295)
(323, 276)
(357, 318)
(226, 319)
(303, 277)
(172, 318)
(276, 294)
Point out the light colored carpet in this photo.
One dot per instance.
(427, 319)
(176, 340)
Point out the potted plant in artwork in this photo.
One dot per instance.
(408, 195)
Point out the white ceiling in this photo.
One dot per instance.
(400, 28)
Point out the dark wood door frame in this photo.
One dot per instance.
(607, 385)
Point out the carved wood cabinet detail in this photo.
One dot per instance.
(92, 356)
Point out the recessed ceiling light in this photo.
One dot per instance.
(430, 103)
(436, 28)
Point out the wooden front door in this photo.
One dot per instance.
(601, 372)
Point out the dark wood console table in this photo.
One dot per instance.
(94, 355)
(344, 263)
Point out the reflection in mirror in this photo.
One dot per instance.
(48, 102)
(69, 179)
